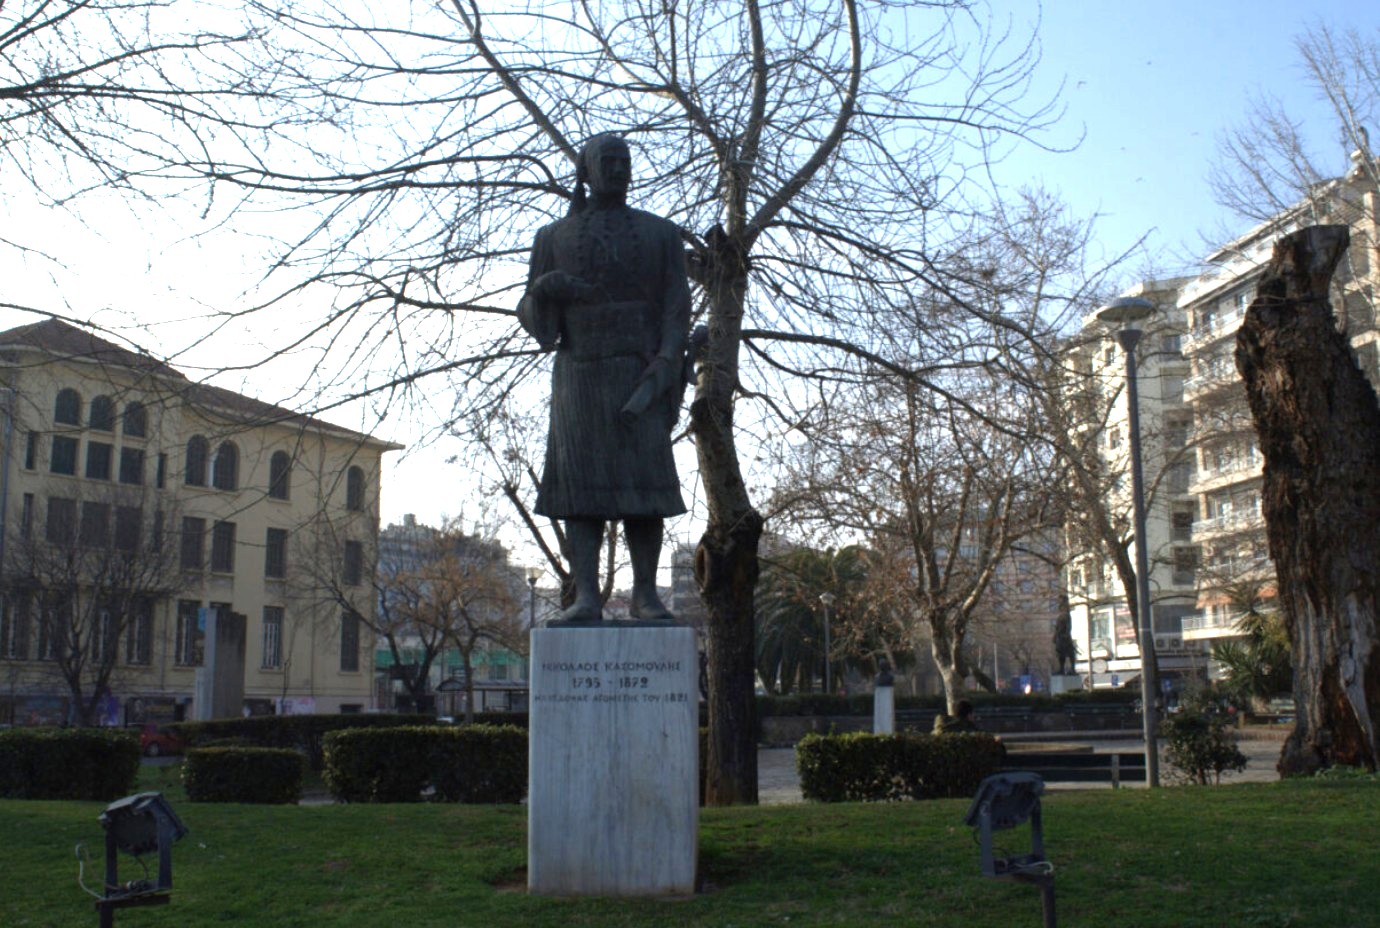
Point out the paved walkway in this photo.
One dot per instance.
(777, 782)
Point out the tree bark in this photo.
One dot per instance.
(1319, 430)
(726, 563)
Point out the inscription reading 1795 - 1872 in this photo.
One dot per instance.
(654, 681)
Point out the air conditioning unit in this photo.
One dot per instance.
(1162, 643)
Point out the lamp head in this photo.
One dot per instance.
(1126, 313)
(827, 598)
(533, 575)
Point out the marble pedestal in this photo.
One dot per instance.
(613, 769)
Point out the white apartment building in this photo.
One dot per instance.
(206, 500)
(1206, 527)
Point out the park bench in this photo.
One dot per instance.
(1054, 767)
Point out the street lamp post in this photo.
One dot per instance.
(828, 600)
(1127, 314)
(533, 575)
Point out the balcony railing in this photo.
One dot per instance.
(1215, 376)
(1205, 621)
(1231, 522)
(1219, 325)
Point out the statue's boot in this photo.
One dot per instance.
(644, 550)
(582, 540)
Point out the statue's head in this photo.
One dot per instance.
(606, 165)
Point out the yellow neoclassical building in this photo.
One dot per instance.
(136, 503)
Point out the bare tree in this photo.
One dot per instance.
(82, 594)
(434, 588)
(1266, 167)
(133, 93)
(813, 153)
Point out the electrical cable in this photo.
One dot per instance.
(82, 858)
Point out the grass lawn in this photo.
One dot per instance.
(1299, 853)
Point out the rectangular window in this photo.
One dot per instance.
(26, 516)
(498, 672)
(139, 635)
(64, 457)
(162, 470)
(14, 627)
(129, 523)
(190, 634)
(54, 622)
(132, 466)
(273, 637)
(62, 521)
(31, 451)
(107, 636)
(95, 524)
(354, 563)
(99, 455)
(349, 642)
(193, 555)
(275, 554)
(223, 547)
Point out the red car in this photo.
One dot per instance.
(155, 741)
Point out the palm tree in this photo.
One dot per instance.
(790, 620)
(1259, 665)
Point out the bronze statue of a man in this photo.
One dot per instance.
(607, 290)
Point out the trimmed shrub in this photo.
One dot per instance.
(68, 763)
(299, 732)
(467, 763)
(480, 764)
(877, 768)
(258, 775)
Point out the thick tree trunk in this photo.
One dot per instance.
(726, 564)
(1319, 429)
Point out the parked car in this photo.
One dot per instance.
(155, 740)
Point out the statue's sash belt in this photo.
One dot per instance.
(609, 330)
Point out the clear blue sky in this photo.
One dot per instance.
(1154, 84)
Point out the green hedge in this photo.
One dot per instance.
(259, 775)
(296, 732)
(464, 763)
(68, 763)
(874, 768)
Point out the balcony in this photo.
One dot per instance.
(1220, 325)
(1209, 378)
(1241, 520)
(1209, 625)
(1226, 472)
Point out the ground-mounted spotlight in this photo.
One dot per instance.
(1005, 801)
(137, 825)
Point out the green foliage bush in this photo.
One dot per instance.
(68, 763)
(229, 774)
(875, 768)
(467, 763)
(297, 732)
(1200, 740)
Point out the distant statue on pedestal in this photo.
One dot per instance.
(1065, 649)
(607, 290)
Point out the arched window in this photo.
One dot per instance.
(67, 410)
(354, 489)
(225, 473)
(102, 414)
(279, 475)
(198, 450)
(136, 420)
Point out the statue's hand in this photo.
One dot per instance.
(560, 287)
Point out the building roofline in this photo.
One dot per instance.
(60, 339)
